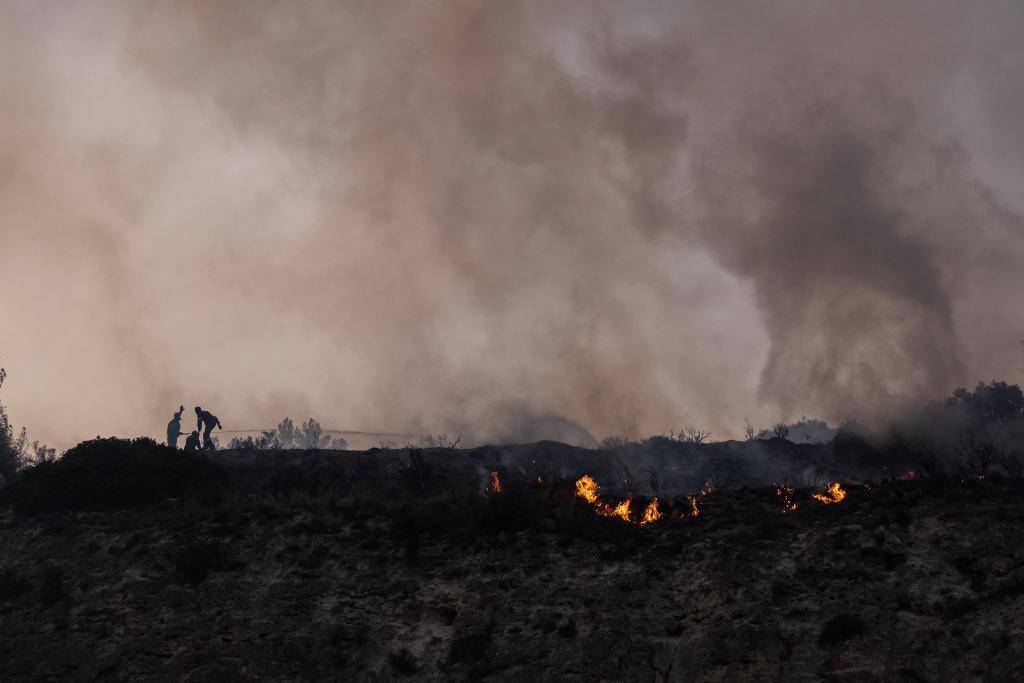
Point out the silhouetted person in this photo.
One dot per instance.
(174, 428)
(206, 421)
(192, 443)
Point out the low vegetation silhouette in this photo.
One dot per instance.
(307, 436)
(16, 452)
(110, 473)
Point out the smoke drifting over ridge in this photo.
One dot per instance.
(456, 215)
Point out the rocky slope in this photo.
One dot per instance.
(287, 578)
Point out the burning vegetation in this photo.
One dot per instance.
(586, 488)
(651, 513)
(785, 494)
(833, 494)
(395, 519)
(497, 525)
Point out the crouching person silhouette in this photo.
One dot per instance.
(206, 421)
(174, 428)
(192, 443)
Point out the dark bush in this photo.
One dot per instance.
(195, 562)
(402, 662)
(465, 514)
(11, 585)
(854, 450)
(469, 647)
(841, 627)
(106, 474)
(51, 588)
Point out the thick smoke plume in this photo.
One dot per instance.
(505, 218)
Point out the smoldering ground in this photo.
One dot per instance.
(407, 216)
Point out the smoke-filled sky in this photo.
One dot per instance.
(499, 217)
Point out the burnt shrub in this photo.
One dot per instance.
(11, 585)
(470, 646)
(51, 586)
(514, 510)
(853, 449)
(195, 562)
(106, 474)
(841, 627)
(461, 514)
(402, 662)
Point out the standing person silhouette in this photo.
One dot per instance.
(174, 428)
(206, 419)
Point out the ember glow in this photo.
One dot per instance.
(495, 482)
(785, 493)
(833, 494)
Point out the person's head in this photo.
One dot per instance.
(198, 409)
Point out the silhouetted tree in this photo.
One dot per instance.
(311, 434)
(40, 453)
(748, 430)
(613, 442)
(12, 450)
(974, 454)
(447, 442)
(286, 433)
(995, 402)
(266, 441)
(691, 434)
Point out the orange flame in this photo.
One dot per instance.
(621, 510)
(651, 513)
(495, 482)
(693, 511)
(586, 488)
(833, 494)
(694, 508)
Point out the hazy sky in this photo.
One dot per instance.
(475, 216)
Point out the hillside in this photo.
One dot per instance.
(390, 565)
